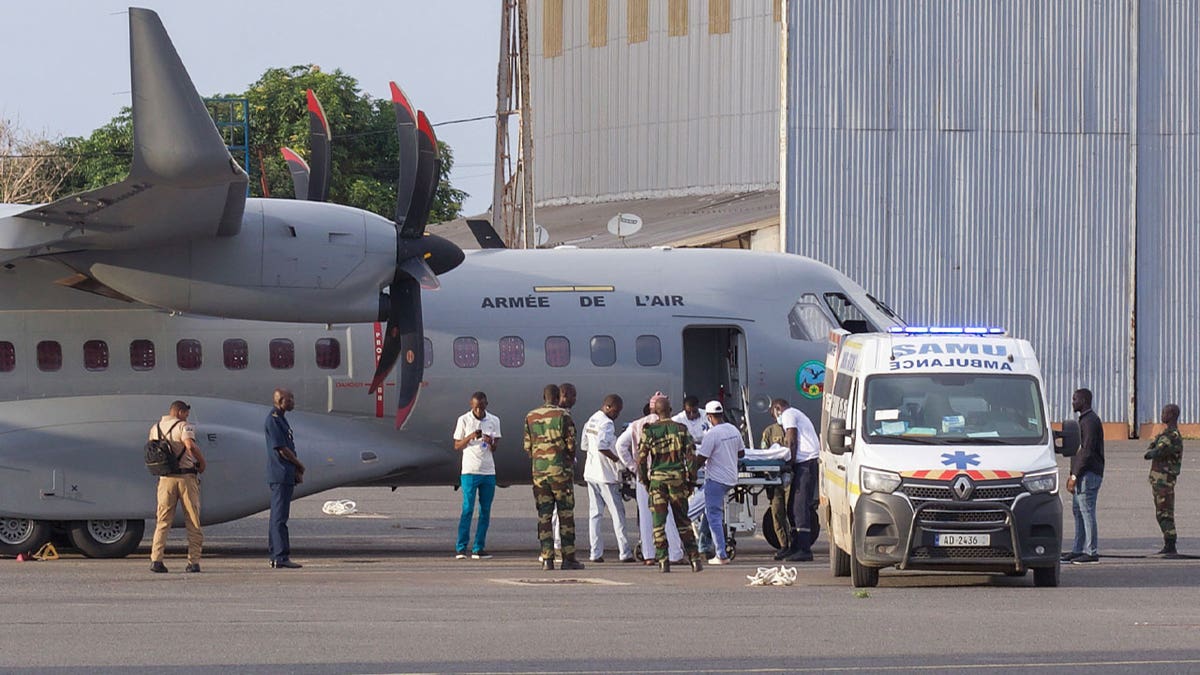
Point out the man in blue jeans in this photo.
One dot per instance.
(284, 471)
(1087, 472)
(719, 453)
(476, 436)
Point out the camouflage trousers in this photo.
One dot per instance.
(1162, 485)
(673, 493)
(550, 493)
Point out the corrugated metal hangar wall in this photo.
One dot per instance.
(1019, 163)
(654, 98)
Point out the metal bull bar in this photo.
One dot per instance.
(1009, 522)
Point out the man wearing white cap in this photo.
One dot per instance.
(718, 454)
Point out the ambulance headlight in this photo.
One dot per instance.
(874, 480)
(1042, 481)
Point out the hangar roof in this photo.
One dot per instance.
(694, 220)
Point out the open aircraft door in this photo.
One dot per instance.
(714, 368)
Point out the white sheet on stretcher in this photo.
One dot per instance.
(776, 451)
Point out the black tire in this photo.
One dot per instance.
(839, 560)
(1014, 573)
(768, 529)
(22, 535)
(1046, 577)
(107, 538)
(731, 549)
(861, 576)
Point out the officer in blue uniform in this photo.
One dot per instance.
(284, 471)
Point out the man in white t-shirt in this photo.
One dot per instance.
(602, 471)
(697, 423)
(801, 438)
(476, 436)
(719, 453)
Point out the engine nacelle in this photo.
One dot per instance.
(296, 261)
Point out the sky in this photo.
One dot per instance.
(66, 62)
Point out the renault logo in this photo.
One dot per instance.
(963, 487)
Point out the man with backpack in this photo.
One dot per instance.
(182, 484)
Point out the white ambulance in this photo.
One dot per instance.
(936, 454)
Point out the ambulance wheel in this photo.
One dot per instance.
(22, 535)
(107, 538)
(862, 576)
(768, 529)
(1046, 577)
(839, 560)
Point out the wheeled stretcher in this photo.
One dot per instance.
(757, 471)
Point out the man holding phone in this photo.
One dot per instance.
(476, 436)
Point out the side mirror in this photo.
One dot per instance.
(838, 434)
(1066, 442)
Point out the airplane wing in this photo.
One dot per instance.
(183, 182)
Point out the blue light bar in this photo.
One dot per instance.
(946, 330)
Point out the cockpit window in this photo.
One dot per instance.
(808, 320)
(848, 316)
(883, 307)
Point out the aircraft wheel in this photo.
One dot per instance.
(1046, 577)
(22, 535)
(768, 529)
(107, 538)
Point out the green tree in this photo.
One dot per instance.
(363, 150)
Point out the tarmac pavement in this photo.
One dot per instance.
(381, 592)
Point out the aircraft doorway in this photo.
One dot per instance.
(714, 367)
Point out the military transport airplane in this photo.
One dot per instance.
(173, 284)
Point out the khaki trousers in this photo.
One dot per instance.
(173, 490)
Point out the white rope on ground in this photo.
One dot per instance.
(339, 507)
(773, 576)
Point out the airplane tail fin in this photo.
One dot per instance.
(183, 183)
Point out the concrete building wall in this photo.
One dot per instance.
(1017, 163)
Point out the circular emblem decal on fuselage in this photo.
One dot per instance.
(810, 379)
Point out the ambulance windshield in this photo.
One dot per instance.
(950, 408)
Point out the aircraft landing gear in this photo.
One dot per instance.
(107, 538)
(22, 535)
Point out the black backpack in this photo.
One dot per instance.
(161, 460)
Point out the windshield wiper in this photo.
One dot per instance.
(916, 440)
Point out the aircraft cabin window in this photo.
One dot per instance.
(237, 354)
(188, 354)
(141, 355)
(8, 357)
(512, 352)
(848, 316)
(283, 354)
(808, 321)
(558, 351)
(428, 345)
(604, 350)
(329, 353)
(95, 355)
(49, 355)
(648, 349)
(466, 352)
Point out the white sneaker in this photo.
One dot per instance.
(460, 555)
(718, 561)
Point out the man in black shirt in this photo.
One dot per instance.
(1087, 472)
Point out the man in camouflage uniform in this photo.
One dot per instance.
(550, 443)
(1166, 456)
(666, 458)
(781, 520)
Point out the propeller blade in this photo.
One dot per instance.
(485, 234)
(404, 337)
(299, 170)
(318, 149)
(418, 269)
(425, 183)
(406, 133)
